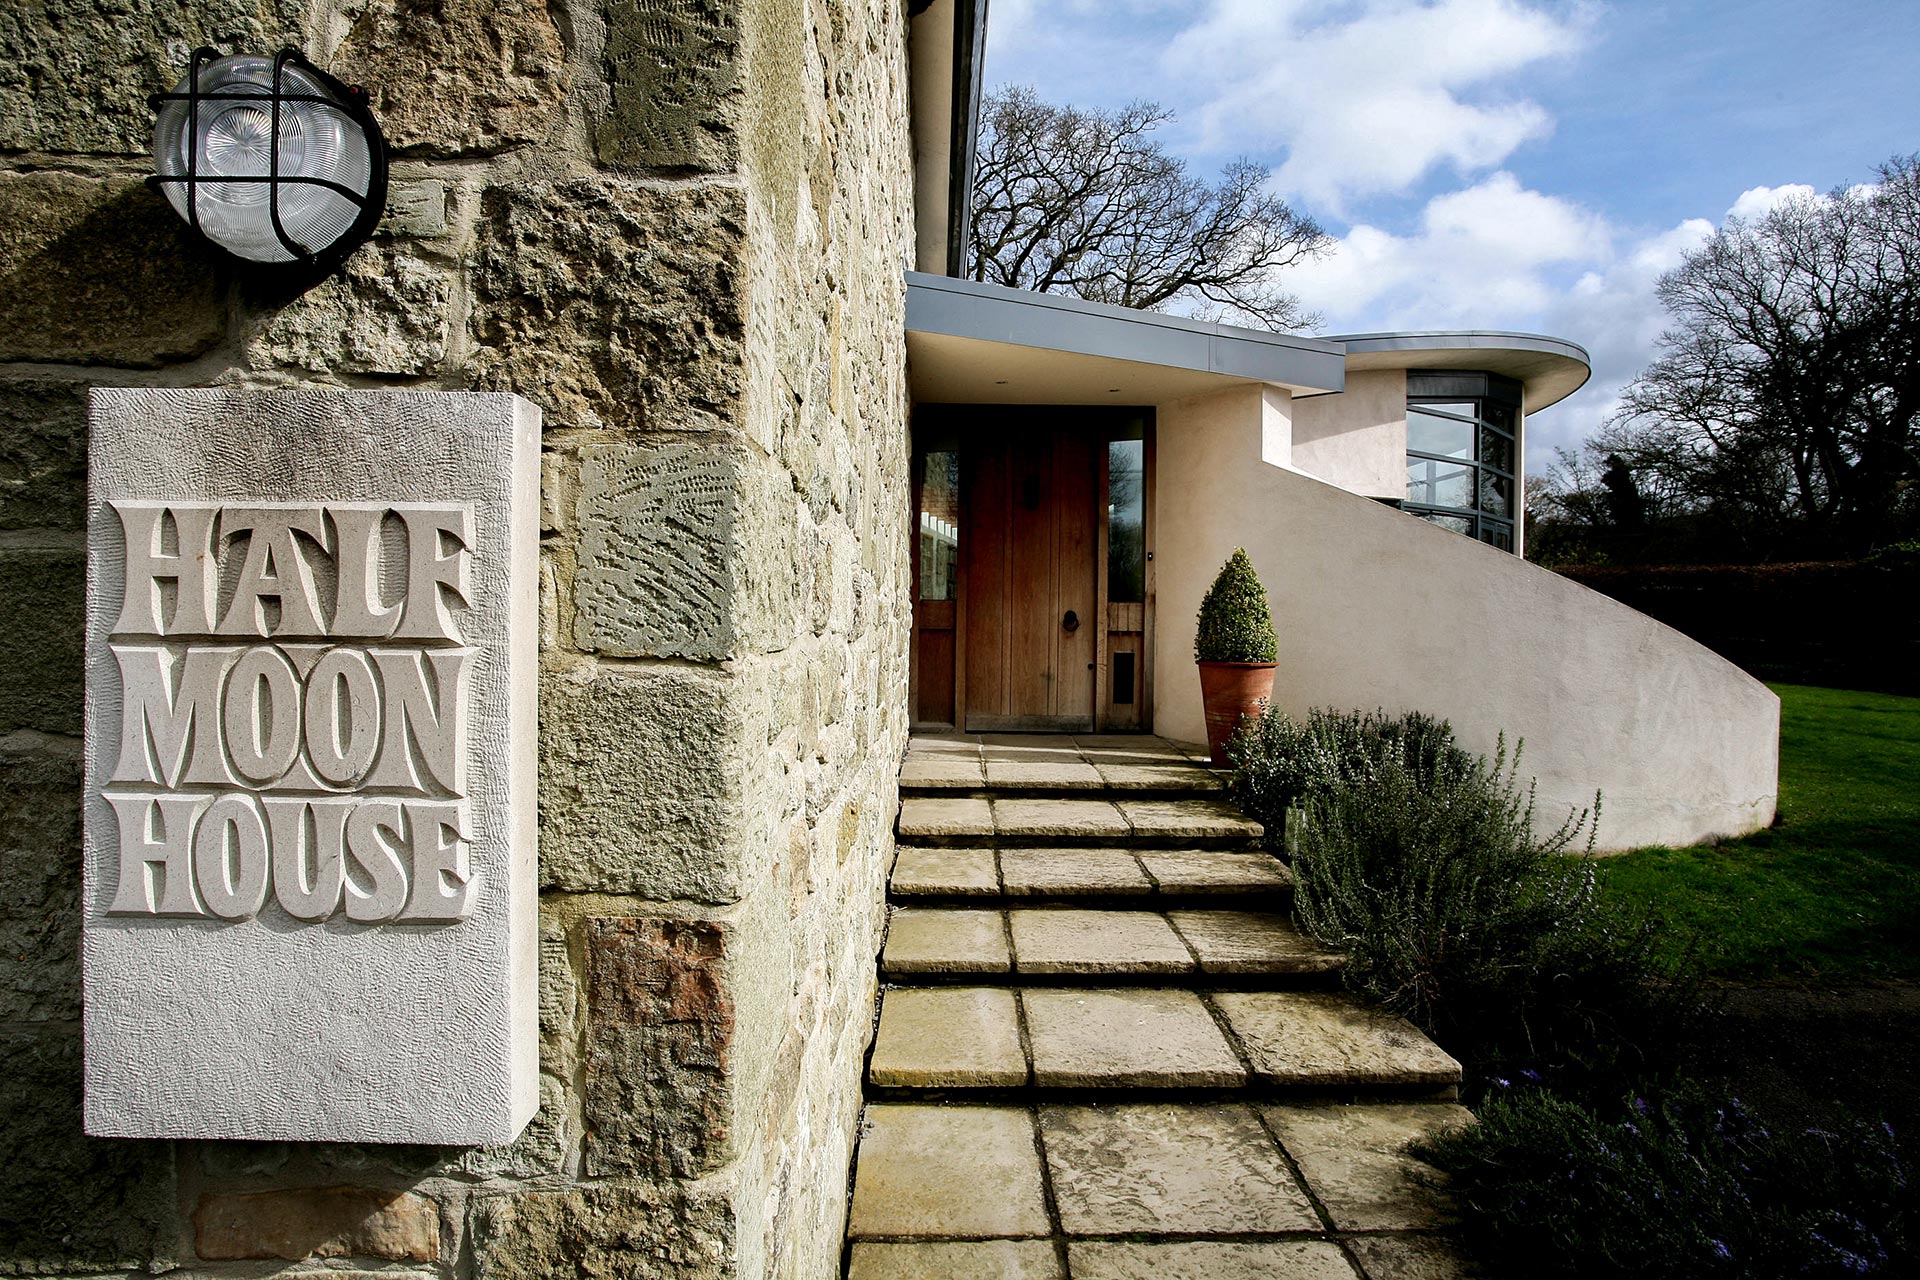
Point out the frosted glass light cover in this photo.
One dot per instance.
(233, 135)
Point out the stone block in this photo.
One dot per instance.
(943, 873)
(947, 1171)
(1039, 873)
(1127, 1039)
(458, 77)
(546, 1147)
(1323, 1040)
(952, 746)
(1208, 1260)
(75, 74)
(584, 1233)
(318, 1222)
(927, 772)
(958, 1260)
(1252, 942)
(1356, 1161)
(685, 551)
(1043, 775)
(43, 455)
(641, 783)
(1070, 819)
(1107, 750)
(43, 601)
(674, 85)
(934, 1037)
(71, 1204)
(1197, 871)
(1189, 820)
(1031, 748)
(231, 992)
(560, 1000)
(102, 271)
(557, 318)
(415, 208)
(385, 311)
(39, 880)
(932, 940)
(938, 816)
(1157, 777)
(1074, 941)
(1164, 1169)
(1412, 1257)
(659, 1040)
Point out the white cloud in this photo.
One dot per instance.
(1611, 310)
(1369, 96)
(1479, 253)
(1758, 202)
(1497, 255)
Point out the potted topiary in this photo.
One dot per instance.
(1235, 647)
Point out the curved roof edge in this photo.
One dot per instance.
(1549, 369)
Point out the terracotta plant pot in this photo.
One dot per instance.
(1232, 690)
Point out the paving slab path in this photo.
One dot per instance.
(1105, 1053)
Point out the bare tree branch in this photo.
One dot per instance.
(1084, 202)
(1786, 396)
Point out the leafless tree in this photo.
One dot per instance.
(1078, 201)
(1786, 396)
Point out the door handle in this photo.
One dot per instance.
(1070, 623)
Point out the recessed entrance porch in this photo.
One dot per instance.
(1033, 568)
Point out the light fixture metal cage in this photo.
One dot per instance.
(350, 100)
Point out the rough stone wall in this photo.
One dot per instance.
(678, 226)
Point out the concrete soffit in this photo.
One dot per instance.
(974, 343)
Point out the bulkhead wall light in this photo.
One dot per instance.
(270, 158)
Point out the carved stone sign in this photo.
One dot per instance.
(310, 893)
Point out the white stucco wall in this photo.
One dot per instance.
(1356, 438)
(1375, 608)
(930, 54)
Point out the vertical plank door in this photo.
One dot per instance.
(1030, 490)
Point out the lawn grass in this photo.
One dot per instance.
(1831, 893)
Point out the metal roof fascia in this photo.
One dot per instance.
(1051, 322)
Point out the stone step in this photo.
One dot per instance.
(1227, 1190)
(1114, 945)
(1057, 764)
(1081, 872)
(972, 821)
(962, 1040)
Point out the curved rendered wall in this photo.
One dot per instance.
(1375, 608)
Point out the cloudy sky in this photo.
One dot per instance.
(1498, 164)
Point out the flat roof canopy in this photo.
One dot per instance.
(974, 343)
(1548, 369)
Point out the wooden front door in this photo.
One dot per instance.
(1029, 588)
(1033, 568)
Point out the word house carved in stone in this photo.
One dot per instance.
(309, 885)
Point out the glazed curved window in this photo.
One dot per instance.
(1463, 448)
